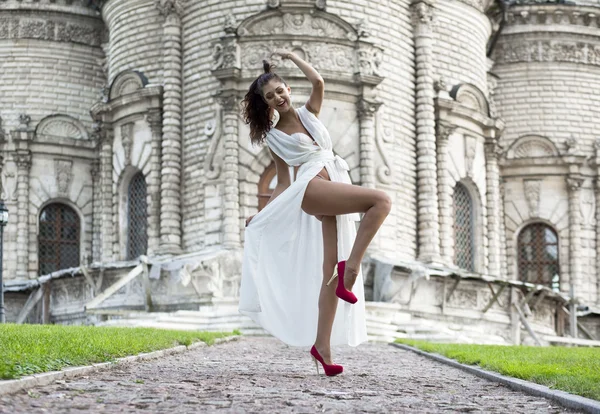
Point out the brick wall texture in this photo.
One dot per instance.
(56, 57)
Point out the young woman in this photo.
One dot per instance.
(307, 229)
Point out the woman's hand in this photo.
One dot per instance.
(249, 219)
(284, 54)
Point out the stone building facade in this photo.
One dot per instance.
(477, 117)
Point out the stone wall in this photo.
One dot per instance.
(136, 38)
(52, 67)
(547, 64)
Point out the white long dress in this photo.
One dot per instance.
(283, 249)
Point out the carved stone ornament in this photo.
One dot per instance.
(230, 24)
(532, 147)
(367, 107)
(61, 126)
(423, 13)
(363, 29)
(440, 85)
(321, 4)
(226, 54)
(553, 14)
(9, 181)
(299, 24)
(23, 159)
(323, 56)
(471, 97)
(273, 4)
(532, 190)
(50, 29)
(166, 7)
(574, 183)
(24, 121)
(384, 133)
(213, 130)
(571, 145)
(127, 82)
(127, 141)
(63, 172)
(444, 131)
(547, 51)
(369, 60)
(470, 151)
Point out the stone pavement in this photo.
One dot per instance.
(261, 375)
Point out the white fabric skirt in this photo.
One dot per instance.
(282, 268)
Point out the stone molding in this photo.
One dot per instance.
(532, 146)
(559, 50)
(43, 27)
(60, 126)
(549, 15)
(303, 31)
(126, 83)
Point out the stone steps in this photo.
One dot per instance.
(385, 322)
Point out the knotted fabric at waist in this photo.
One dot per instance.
(328, 155)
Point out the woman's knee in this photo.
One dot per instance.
(383, 202)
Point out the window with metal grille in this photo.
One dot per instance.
(58, 240)
(464, 229)
(267, 184)
(538, 255)
(137, 217)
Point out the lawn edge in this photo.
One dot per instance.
(47, 378)
(562, 397)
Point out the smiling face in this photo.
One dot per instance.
(277, 95)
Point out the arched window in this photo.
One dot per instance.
(267, 183)
(538, 255)
(58, 240)
(137, 217)
(464, 229)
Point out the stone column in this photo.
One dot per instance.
(502, 215)
(96, 211)
(106, 137)
(170, 186)
(597, 239)
(574, 184)
(366, 115)
(154, 120)
(493, 200)
(427, 188)
(445, 194)
(231, 209)
(23, 161)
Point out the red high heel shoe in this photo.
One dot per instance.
(330, 370)
(341, 291)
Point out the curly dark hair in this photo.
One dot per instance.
(255, 109)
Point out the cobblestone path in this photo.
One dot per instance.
(261, 375)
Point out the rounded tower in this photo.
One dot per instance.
(53, 69)
(547, 61)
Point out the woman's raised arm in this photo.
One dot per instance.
(318, 85)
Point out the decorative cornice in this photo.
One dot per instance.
(82, 7)
(557, 50)
(552, 15)
(57, 30)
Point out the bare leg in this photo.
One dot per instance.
(328, 198)
(327, 298)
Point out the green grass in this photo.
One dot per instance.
(30, 349)
(575, 370)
